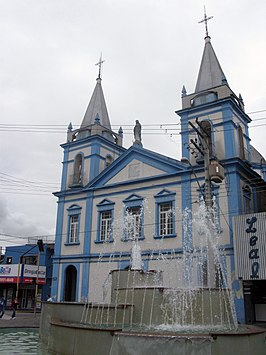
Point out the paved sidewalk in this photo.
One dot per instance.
(23, 320)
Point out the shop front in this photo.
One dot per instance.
(23, 281)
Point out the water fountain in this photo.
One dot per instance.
(145, 315)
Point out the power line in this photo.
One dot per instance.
(16, 185)
(117, 226)
(167, 131)
(62, 128)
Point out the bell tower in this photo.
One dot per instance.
(93, 146)
(214, 105)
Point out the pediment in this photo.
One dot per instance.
(105, 202)
(137, 164)
(74, 207)
(133, 197)
(164, 193)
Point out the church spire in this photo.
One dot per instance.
(210, 73)
(97, 106)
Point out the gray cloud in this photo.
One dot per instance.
(48, 53)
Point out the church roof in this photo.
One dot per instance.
(97, 108)
(210, 73)
(255, 156)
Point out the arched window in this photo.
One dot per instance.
(78, 170)
(108, 160)
(247, 199)
(204, 98)
(70, 284)
(241, 143)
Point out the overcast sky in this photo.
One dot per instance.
(151, 48)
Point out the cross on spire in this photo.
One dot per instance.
(100, 66)
(205, 20)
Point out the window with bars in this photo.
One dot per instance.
(73, 230)
(164, 214)
(106, 225)
(133, 225)
(74, 213)
(105, 222)
(166, 225)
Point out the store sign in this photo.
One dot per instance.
(9, 274)
(27, 280)
(8, 280)
(30, 280)
(254, 250)
(31, 271)
(7, 270)
(41, 281)
(249, 243)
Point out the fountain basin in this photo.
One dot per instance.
(62, 332)
(145, 317)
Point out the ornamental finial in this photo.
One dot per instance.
(205, 20)
(100, 67)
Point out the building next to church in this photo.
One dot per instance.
(18, 274)
(109, 193)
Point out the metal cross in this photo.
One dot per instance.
(100, 66)
(205, 20)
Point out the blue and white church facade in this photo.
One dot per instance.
(110, 195)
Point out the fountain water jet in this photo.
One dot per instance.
(195, 315)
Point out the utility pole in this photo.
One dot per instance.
(20, 262)
(204, 149)
(206, 142)
(204, 134)
(36, 285)
(40, 249)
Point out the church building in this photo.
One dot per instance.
(111, 195)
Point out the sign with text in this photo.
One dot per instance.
(249, 244)
(9, 273)
(10, 280)
(7, 270)
(30, 280)
(31, 271)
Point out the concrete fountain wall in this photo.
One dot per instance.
(155, 305)
(144, 317)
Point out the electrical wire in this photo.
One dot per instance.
(60, 128)
(43, 188)
(14, 185)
